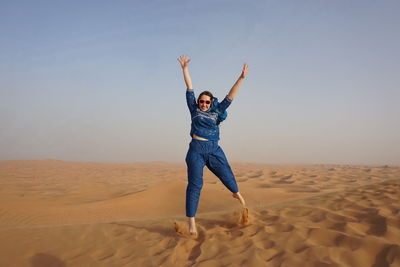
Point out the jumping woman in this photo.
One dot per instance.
(206, 114)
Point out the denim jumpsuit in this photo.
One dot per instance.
(205, 153)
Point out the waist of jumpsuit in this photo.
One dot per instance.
(204, 145)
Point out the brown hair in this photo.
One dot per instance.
(207, 93)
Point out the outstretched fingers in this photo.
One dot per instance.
(184, 60)
(244, 70)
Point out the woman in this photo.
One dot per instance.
(206, 114)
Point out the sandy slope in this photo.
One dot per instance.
(55, 213)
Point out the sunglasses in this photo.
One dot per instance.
(201, 101)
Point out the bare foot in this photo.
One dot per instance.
(239, 196)
(192, 227)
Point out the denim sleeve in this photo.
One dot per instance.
(224, 104)
(190, 99)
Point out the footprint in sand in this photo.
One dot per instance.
(181, 228)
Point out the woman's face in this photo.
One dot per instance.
(204, 102)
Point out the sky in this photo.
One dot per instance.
(99, 81)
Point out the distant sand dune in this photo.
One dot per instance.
(101, 214)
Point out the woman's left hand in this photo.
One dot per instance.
(244, 71)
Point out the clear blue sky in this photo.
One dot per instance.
(99, 80)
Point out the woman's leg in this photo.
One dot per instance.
(218, 164)
(195, 165)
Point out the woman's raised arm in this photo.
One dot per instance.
(235, 88)
(184, 60)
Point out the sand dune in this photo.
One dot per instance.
(56, 213)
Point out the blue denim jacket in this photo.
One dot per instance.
(205, 123)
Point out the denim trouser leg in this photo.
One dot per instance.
(218, 164)
(195, 165)
(203, 153)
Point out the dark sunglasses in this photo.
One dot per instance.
(204, 101)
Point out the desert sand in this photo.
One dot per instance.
(57, 213)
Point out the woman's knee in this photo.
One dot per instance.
(195, 185)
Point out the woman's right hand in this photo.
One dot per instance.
(184, 60)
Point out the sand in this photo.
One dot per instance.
(57, 213)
